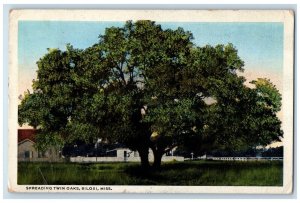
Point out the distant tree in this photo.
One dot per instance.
(266, 126)
(150, 88)
(273, 152)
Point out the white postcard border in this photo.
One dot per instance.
(284, 16)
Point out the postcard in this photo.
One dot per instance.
(151, 101)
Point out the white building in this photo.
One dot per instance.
(27, 151)
(126, 155)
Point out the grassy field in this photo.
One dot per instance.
(202, 173)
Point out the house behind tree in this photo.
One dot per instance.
(27, 151)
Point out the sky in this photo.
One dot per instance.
(260, 45)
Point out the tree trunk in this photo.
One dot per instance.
(157, 158)
(143, 153)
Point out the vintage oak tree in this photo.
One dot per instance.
(150, 88)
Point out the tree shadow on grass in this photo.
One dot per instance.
(203, 173)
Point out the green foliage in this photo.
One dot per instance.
(268, 96)
(33, 109)
(246, 118)
(190, 96)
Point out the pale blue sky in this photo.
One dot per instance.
(260, 45)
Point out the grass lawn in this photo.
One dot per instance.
(201, 173)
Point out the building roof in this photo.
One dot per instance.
(24, 134)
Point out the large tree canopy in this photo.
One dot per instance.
(150, 88)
